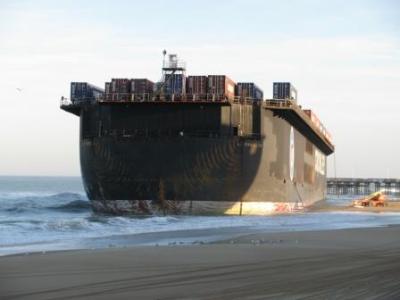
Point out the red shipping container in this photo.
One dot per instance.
(197, 85)
(221, 87)
(141, 86)
(120, 85)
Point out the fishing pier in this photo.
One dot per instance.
(363, 186)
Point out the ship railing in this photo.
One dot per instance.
(174, 65)
(247, 100)
(77, 101)
(284, 103)
(65, 101)
(289, 104)
(150, 97)
(191, 98)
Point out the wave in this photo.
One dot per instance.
(76, 205)
(67, 202)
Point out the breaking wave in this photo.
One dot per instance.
(25, 202)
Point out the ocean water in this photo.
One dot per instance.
(53, 213)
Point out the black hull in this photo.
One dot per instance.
(146, 158)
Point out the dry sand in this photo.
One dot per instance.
(338, 264)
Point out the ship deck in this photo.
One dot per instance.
(285, 109)
(294, 115)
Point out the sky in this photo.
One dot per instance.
(342, 56)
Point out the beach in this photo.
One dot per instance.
(332, 264)
(52, 246)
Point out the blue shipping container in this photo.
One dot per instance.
(249, 90)
(175, 84)
(83, 91)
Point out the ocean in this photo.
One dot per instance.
(39, 214)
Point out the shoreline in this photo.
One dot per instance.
(209, 235)
(298, 264)
(237, 236)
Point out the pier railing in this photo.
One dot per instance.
(363, 186)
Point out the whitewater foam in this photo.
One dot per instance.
(50, 219)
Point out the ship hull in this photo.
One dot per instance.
(196, 159)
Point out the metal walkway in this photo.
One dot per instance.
(294, 115)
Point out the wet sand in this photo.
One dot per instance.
(336, 264)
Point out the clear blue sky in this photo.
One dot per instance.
(343, 57)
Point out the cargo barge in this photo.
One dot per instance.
(197, 145)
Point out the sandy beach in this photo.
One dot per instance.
(391, 207)
(335, 264)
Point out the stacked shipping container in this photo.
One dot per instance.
(284, 90)
(249, 90)
(196, 86)
(123, 89)
(83, 91)
(118, 89)
(220, 87)
(141, 89)
(211, 88)
(141, 86)
(175, 84)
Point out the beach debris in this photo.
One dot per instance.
(376, 199)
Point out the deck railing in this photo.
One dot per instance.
(147, 97)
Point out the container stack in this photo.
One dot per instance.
(248, 90)
(196, 87)
(285, 90)
(175, 84)
(220, 87)
(123, 89)
(141, 86)
(118, 89)
(141, 89)
(83, 91)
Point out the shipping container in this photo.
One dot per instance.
(108, 88)
(108, 93)
(220, 87)
(196, 87)
(284, 90)
(83, 91)
(249, 90)
(142, 86)
(120, 85)
(175, 84)
(119, 89)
